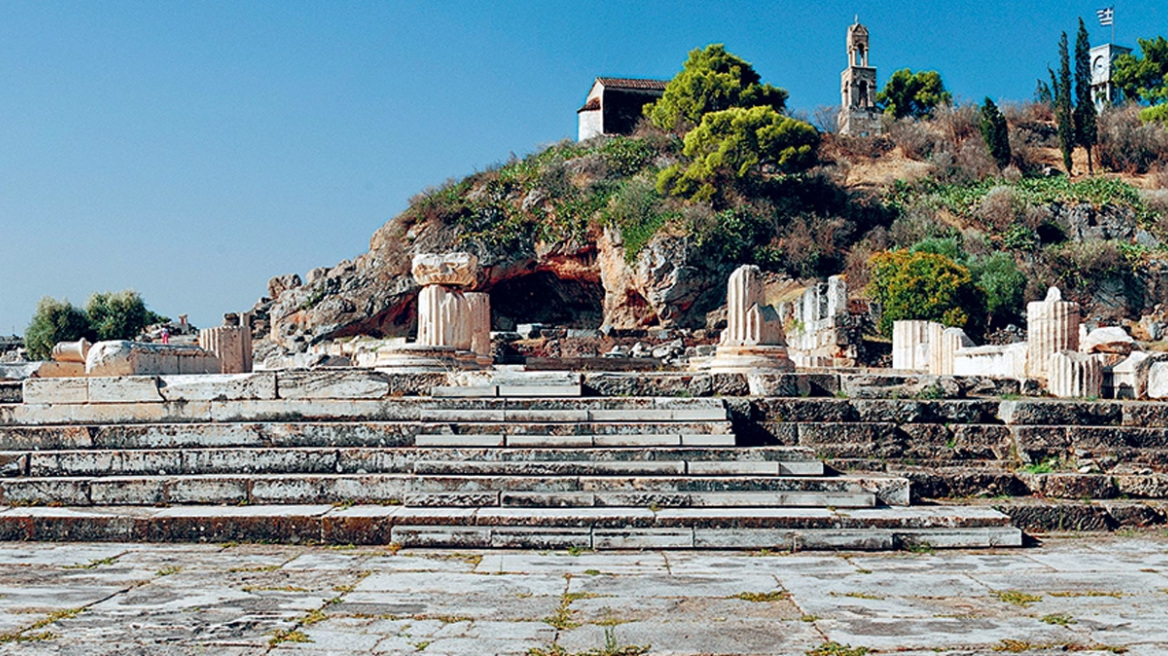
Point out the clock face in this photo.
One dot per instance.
(1100, 64)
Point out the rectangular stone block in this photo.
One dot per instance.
(103, 463)
(207, 490)
(1062, 413)
(721, 468)
(459, 440)
(44, 492)
(441, 536)
(219, 387)
(359, 525)
(51, 391)
(288, 524)
(81, 524)
(967, 538)
(124, 389)
(520, 537)
(547, 499)
(614, 517)
(745, 538)
(643, 440)
(332, 384)
(712, 439)
(460, 391)
(643, 538)
(540, 391)
(564, 441)
(47, 437)
(13, 464)
(127, 491)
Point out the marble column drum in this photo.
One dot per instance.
(1052, 326)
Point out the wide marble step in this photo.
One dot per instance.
(388, 409)
(539, 528)
(576, 428)
(338, 434)
(790, 461)
(655, 439)
(429, 489)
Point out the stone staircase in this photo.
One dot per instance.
(521, 471)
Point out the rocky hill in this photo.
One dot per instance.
(578, 235)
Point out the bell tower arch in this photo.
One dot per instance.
(858, 114)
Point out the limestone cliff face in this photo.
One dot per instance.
(584, 283)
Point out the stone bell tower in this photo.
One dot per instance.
(858, 113)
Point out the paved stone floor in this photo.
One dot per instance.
(1077, 593)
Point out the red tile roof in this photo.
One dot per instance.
(632, 83)
(593, 103)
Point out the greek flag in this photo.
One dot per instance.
(1106, 16)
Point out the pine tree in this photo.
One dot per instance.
(1086, 129)
(1063, 105)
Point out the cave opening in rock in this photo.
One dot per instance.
(542, 297)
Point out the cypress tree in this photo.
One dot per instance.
(995, 133)
(1063, 106)
(1086, 129)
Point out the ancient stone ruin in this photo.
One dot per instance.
(1059, 356)
(753, 339)
(454, 325)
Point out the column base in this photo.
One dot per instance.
(748, 359)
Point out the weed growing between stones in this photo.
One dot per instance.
(294, 635)
(1088, 593)
(95, 563)
(260, 568)
(1017, 598)
(859, 595)
(1019, 646)
(23, 636)
(836, 649)
(1059, 619)
(168, 570)
(1045, 467)
(611, 648)
(760, 597)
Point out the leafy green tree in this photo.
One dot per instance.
(1086, 128)
(1003, 284)
(712, 80)
(118, 315)
(54, 321)
(1144, 79)
(737, 143)
(995, 133)
(925, 286)
(913, 94)
(1063, 105)
(1158, 113)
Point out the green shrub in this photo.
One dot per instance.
(924, 286)
(1003, 284)
(1155, 114)
(54, 321)
(638, 211)
(1081, 264)
(737, 143)
(710, 81)
(119, 315)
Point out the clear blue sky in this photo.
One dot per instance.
(192, 150)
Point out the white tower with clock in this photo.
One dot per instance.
(1102, 61)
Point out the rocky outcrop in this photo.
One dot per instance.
(585, 284)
